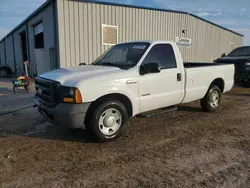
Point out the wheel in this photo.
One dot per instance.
(108, 121)
(212, 99)
(3, 73)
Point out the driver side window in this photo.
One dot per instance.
(163, 55)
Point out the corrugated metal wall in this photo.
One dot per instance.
(2, 55)
(18, 48)
(9, 52)
(47, 17)
(80, 36)
(9, 59)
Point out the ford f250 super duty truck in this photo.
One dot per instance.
(240, 57)
(131, 79)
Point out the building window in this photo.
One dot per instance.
(109, 35)
(39, 36)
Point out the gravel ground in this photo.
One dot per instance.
(185, 148)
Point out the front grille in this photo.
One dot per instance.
(47, 91)
(243, 75)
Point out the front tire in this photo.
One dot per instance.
(109, 121)
(212, 99)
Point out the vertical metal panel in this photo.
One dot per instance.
(72, 33)
(81, 33)
(102, 22)
(85, 33)
(77, 33)
(67, 34)
(17, 43)
(46, 16)
(208, 41)
(61, 32)
(9, 52)
(90, 31)
(98, 33)
(2, 55)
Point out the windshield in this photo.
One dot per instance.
(242, 51)
(124, 56)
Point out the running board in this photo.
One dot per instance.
(157, 112)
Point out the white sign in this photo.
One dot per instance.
(183, 41)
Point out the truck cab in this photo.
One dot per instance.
(240, 57)
(130, 79)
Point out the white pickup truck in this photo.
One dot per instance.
(141, 78)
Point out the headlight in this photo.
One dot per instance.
(247, 63)
(71, 92)
(70, 95)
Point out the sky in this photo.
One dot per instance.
(232, 14)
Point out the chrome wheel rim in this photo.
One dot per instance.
(110, 121)
(215, 99)
(3, 73)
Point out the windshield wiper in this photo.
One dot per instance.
(107, 64)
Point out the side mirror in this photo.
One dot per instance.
(82, 64)
(149, 68)
(223, 55)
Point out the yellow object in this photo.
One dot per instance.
(78, 96)
(20, 78)
(70, 100)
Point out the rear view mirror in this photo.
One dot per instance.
(149, 68)
(223, 55)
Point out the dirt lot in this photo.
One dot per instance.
(185, 148)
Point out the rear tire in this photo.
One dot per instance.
(212, 99)
(108, 121)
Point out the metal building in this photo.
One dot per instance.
(64, 33)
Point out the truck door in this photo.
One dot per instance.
(165, 88)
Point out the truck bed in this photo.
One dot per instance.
(199, 77)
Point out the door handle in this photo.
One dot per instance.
(179, 77)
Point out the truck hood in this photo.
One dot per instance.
(70, 76)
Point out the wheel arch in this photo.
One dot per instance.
(218, 82)
(114, 96)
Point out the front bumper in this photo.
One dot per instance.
(66, 115)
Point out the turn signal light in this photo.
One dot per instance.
(68, 100)
(78, 96)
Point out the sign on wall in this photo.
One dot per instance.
(183, 41)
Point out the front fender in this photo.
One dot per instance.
(91, 94)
